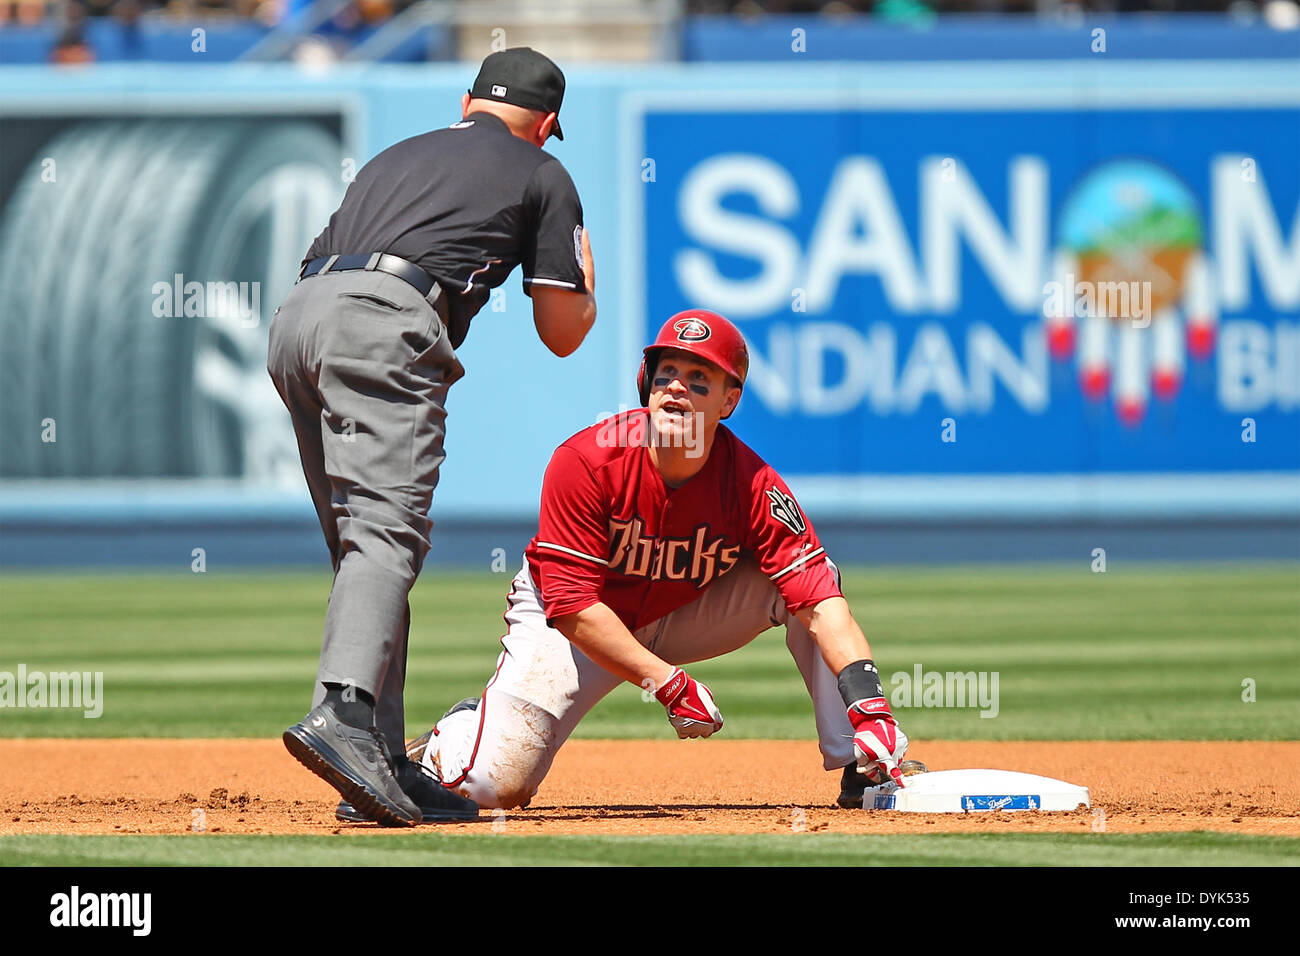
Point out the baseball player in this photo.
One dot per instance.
(663, 540)
(363, 353)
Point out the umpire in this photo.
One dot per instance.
(363, 351)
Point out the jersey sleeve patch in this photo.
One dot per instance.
(785, 509)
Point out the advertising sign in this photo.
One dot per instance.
(1017, 289)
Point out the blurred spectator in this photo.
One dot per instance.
(904, 11)
(71, 47)
(127, 12)
(376, 11)
(267, 12)
(1282, 14)
(23, 12)
(315, 54)
(91, 8)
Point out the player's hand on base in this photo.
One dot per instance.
(690, 706)
(878, 742)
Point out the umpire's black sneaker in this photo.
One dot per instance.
(437, 804)
(853, 785)
(354, 762)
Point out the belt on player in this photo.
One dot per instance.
(382, 262)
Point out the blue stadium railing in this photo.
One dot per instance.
(791, 38)
(174, 42)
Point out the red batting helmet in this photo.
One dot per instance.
(702, 333)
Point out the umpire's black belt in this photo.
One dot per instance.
(381, 262)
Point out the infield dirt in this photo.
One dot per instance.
(627, 787)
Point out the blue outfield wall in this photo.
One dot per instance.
(888, 236)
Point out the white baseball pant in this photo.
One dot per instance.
(544, 685)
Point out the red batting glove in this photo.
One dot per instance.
(691, 709)
(878, 741)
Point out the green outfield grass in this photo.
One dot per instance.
(1139, 652)
(807, 849)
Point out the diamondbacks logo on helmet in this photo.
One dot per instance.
(691, 330)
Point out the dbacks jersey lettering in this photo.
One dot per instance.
(698, 559)
(611, 531)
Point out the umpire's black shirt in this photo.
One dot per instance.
(466, 204)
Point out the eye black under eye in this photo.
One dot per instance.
(699, 386)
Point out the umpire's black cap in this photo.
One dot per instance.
(524, 77)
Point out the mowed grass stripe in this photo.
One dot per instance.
(431, 849)
(1138, 652)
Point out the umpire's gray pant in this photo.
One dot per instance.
(363, 363)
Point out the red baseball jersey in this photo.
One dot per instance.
(611, 531)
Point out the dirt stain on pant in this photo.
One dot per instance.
(522, 752)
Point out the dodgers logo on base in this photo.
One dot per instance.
(1005, 802)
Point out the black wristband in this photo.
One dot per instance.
(860, 681)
